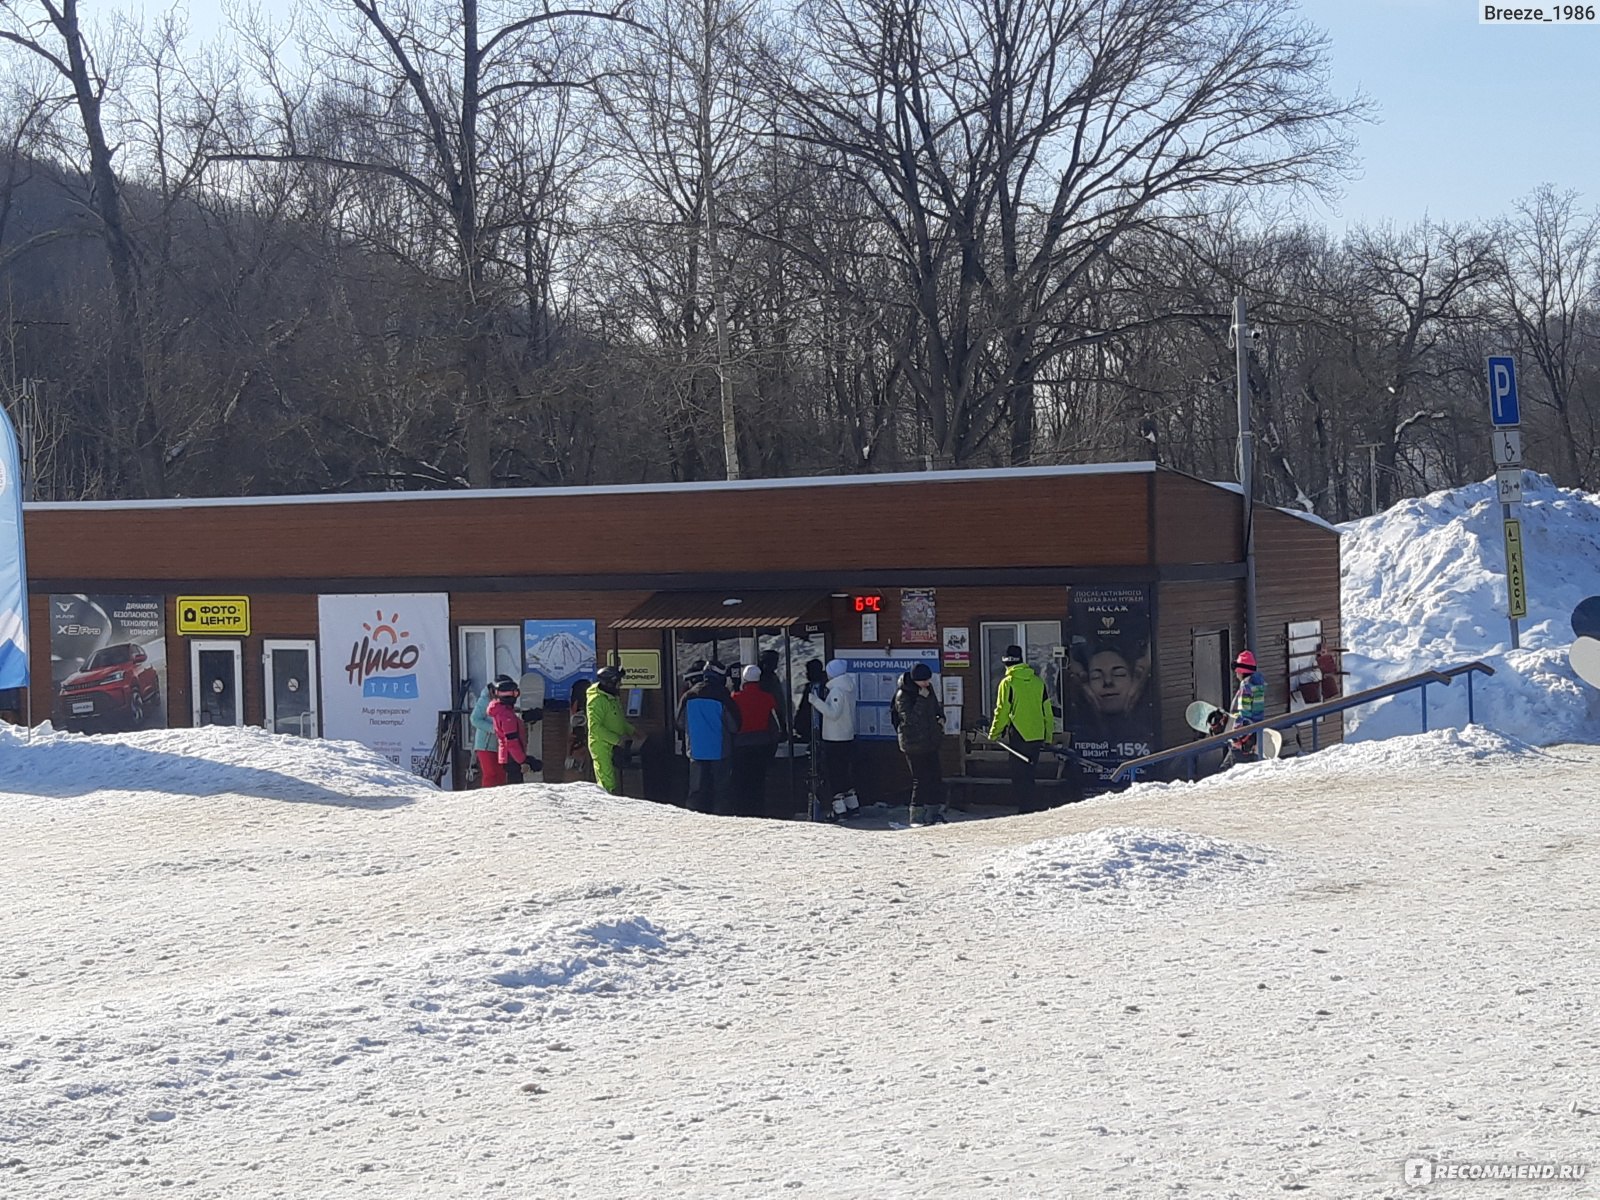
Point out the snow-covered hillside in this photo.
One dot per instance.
(1424, 586)
(245, 966)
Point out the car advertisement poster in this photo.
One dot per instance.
(559, 652)
(385, 671)
(108, 662)
(1111, 698)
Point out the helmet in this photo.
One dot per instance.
(752, 674)
(609, 678)
(696, 671)
(504, 685)
(1245, 662)
(715, 670)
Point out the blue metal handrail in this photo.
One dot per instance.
(1193, 750)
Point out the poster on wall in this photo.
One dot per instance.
(957, 647)
(1112, 697)
(877, 678)
(108, 662)
(385, 671)
(559, 652)
(919, 624)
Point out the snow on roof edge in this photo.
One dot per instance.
(624, 489)
(1238, 490)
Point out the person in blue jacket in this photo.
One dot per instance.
(708, 719)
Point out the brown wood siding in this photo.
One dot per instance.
(1183, 610)
(1195, 522)
(1081, 520)
(1297, 579)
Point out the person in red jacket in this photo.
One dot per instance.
(754, 744)
(509, 730)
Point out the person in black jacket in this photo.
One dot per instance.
(918, 718)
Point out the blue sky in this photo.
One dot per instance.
(1469, 117)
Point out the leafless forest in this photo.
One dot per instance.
(401, 244)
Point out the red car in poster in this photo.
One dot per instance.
(115, 687)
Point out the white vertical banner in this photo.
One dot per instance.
(13, 565)
(385, 671)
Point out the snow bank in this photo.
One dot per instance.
(1423, 585)
(210, 761)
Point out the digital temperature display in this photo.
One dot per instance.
(869, 604)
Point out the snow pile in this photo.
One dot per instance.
(609, 955)
(1123, 867)
(210, 761)
(1423, 585)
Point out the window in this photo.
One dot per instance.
(1040, 640)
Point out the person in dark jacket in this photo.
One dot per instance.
(772, 684)
(709, 720)
(918, 720)
(754, 744)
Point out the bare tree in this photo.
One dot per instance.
(426, 98)
(51, 31)
(1009, 144)
(1546, 291)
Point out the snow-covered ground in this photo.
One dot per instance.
(275, 968)
(240, 966)
(1424, 585)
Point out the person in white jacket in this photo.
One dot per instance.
(838, 709)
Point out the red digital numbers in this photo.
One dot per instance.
(869, 604)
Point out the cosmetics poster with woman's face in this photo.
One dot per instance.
(1111, 695)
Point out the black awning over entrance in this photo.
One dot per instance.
(726, 610)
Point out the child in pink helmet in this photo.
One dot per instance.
(1249, 706)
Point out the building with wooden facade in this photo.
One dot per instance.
(328, 615)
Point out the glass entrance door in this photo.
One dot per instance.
(289, 681)
(214, 683)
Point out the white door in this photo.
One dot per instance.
(289, 684)
(484, 651)
(214, 677)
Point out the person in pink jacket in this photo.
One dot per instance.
(509, 730)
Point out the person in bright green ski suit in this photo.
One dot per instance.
(608, 729)
(1024, 721)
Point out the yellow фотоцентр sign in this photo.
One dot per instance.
(214, 614)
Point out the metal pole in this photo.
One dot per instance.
(1507, 514)
(1247, 463)
(1372, 477)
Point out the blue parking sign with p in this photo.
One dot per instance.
(1503, 406)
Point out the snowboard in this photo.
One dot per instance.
(1199, 714)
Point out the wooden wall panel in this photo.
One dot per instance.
(1297, 579)
(1183, 610)
(1195, 522)
(1031, 520)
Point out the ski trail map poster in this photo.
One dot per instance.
(385, 671)
(560, 652)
